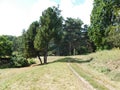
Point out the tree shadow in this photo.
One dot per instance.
(72, 60)
(67, 59)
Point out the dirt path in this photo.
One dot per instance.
(82, 81)
(101, 80)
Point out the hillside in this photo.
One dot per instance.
(101, 70)
(54, 76)
(102, 67)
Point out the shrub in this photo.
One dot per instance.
(19, 61)
(31, 61)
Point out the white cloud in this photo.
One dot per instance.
(14, 18)
(81, 11)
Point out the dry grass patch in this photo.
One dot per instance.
(53, 76)
(105, 66)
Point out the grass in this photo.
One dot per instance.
(88, 77)
(107, 62)
(53, 76)
(100, 69)
(103, 68)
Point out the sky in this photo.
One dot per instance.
(16, 15)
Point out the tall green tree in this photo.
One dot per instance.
(113, 30)
(5, 47)
(18, 44)
(103, 17)
(50, 24)
(100, 19)
(72, 34)
(29, 38)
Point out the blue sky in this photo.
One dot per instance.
(75, 2)
(16, 15)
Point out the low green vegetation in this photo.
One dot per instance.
(89, 78)
(17, 60)
(107, 62)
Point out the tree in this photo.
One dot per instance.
(102, 18)
(113, 30)
(72, 32)
(5, 47)
(18, 44)
(50, 24)
(86, 46)
(28, 38)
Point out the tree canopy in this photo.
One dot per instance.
(50, 25)
(53, 35)
(104, 16)
(5, 46)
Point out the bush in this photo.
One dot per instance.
(31, 61)
(19, 61)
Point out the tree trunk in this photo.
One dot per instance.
(58, 51)
(46, 54)
(74, 51)
(40, 59)
(45, 58)
(69, 48)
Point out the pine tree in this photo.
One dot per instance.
(50, 24)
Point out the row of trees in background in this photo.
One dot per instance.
(53, 35)
(50, 36)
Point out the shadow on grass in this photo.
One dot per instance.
(8, 66)
(72, 60)
(68, 59)
(5, 66)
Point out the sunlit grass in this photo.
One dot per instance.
(89, 78)
(53, 76)
(105, 66)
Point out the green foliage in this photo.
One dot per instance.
(105, 14)
(114, 36)
(31, 61)
(50, 25)
(74, 38)
(28, 38)
(5, 46)
(18, 45)
(72, 29)
(19, 61)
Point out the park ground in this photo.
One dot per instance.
(96, 71)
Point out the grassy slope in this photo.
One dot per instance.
(107, 62)
(53, 76)
(103, 72)
(104, 68)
